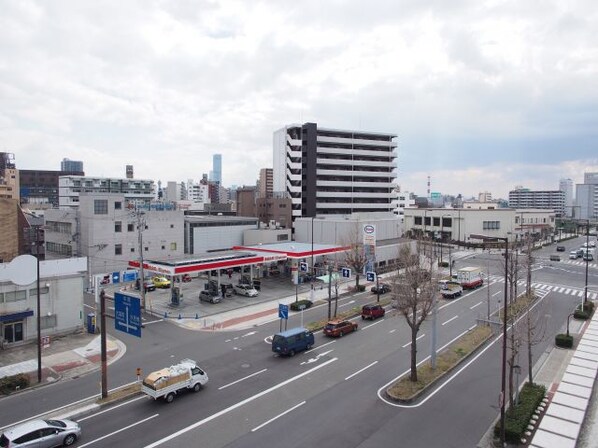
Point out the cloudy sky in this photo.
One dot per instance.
(483, 95)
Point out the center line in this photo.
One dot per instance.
(119, 430)
(241, 379)
(472, 307)
(361, 370)
(278, 416)
(409, 343)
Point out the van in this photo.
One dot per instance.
(289, 342)
(555, 258)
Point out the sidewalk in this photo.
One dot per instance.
(66, 357)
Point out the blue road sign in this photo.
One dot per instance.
(127, 314)
(303, 266)
(370, 276)
(283, 311)
(129, 276)
(116, 277)
(346, 272)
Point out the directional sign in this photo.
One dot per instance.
(370, 276)
(346, 272)
(127, 314)
(303, 266)
(283, 311)
(116, 277)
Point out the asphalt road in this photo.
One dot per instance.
(326, 397)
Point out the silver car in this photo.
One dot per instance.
(245, 290)
(41, 434)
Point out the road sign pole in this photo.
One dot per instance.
(103, 344)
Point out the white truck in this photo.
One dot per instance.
(450, 289)
(470, 278)
(166, 383)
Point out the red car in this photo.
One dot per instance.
(339, 328)
(372, 311)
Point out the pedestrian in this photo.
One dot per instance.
(223, 289)
(230, 273)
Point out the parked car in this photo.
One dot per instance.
(560, 248)
(372, 311)
(383, 287)
(289, 342)
(246, 290)
(209, 296)
(148, 285)
(587, 257)
(41, 434)
(555, 257)
(185, 278)
(339, 328)
(573, 255)
(161, 282)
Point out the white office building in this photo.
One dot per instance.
(566, 186)
(586, 198)
(330, 171)
(134, 190)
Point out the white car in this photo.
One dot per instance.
(246, 290)
(592, 243)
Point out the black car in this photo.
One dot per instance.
(383, 287)
(148, 285)
(560, 248)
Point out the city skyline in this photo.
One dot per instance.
(482, 96)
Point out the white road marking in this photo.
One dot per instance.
(251, 333)
(417, 338)
(153, 321)
(359, 371)
(119, 430)
(496, 293)
(317, 358)
(238, 405)
(143, 397)
(278, 416)
(320, 346)
(348, 303)
(393, 330)
(450, 320)
(477, 304)
(375, 323)
(242, 379)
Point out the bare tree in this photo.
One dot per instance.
(355, 256)
(414, 290)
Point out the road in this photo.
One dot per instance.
(325, 397)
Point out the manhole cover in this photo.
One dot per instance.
(245, 366)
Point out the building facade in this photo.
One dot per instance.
(216, 176)
(106, 228)
(275, 211)
(209, 233)
(543, 199)
(331, 172)
(139, 191)
(61, 301)
(71, 166)
(566, 186)
(586, 198)
(9, 177)
(456, 225)
(266, 183)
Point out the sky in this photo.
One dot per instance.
(482, 95)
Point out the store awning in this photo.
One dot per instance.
(15, 316)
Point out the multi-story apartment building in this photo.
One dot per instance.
(586, 198)
(246, 197)
(541, 199)
(403, 200)
(331, 171)
(105, 228)
(140, 191)
(275, 210)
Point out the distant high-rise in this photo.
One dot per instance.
(217, 168)
(266, 183)
(566, 185)
(586, 197)
(129, 171)
(71, 166)
(544, 199)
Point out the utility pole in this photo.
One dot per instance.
(329, 290)
(103, 355)
(140, 228)
(39, 311)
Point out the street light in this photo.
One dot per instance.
(487, 238)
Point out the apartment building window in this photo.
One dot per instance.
(118, 226)
(118, 205)
(61, 249)
(491, 225)
(118, 249)
(15, 296)
(130, 227)
(283, 237)
(163, 247)
(42, 290)
(172, 246)
(417, 220)
(100, 207)
(132, 249)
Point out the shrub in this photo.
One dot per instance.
(582, 315)
(564, 341)
(360, 288)
(588, 307)
(296, 306)
(9, 384)
(518, 417)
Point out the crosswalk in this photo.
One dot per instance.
(582, 263)
(545, 288)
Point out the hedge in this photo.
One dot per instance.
(517, 418)
(586, 312)
(295, 306)
(564, 341)
(12, 383)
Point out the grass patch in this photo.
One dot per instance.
(122, 393)
(404, 389)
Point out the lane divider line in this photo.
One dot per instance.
(119, 430)
(242, 379)
(278, 416)
(359, 371)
